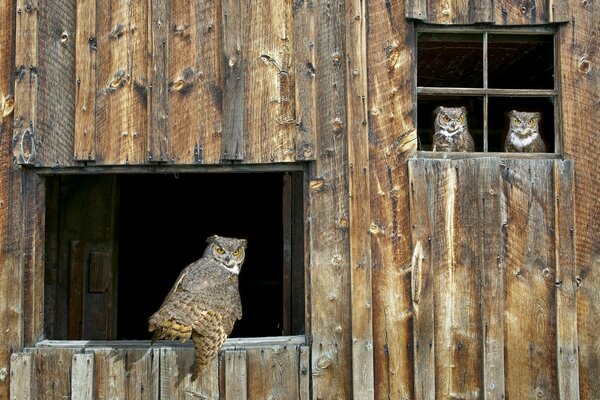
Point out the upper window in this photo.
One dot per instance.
(496, 83)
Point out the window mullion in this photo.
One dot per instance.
(485, 87)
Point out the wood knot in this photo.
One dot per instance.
(8, 103)
(117, 31)
(316, 185)
(181, 30)
(585, 65)
(336, 58)
(120, 79)
(64, 38)
(337, 125)
(523, 10)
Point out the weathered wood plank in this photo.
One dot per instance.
(122, 92)
(21, 377)
(421, 194)
(234, 56)
(236, 375)
(303, 45)
(578, 61)
(448, 12)
(492, 264)
(304, 373)
(126, 373)
(86, 44)
(392, 140)
(195, 79)
(269, 120)
(272, 372)
(518, 12)
(328, 241)
(82, 377)
(567, 346)
(559, 11)
(530, 346)
(175, 376)
(52, 378)
(358, 190)
(158, 134)
(416, 9)
(481, 11)
(25, 137)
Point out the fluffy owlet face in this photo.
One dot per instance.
(229, 252)
(524, 124)
(450, 120)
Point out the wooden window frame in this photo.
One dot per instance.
(294, 292)
(485, 92)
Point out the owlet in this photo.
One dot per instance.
(524, 133)
(205, 301)
(451, 131)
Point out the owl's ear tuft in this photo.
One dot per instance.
(438, 110)
(243, 243)
(212, 239)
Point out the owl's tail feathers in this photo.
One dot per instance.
(169, 329)
(206, 347)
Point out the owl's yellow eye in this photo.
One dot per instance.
(531, 122)
(236, 252)
(219, 250)
(459, 119)
(446, 118)
(516, 120)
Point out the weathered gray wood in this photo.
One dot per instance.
(158, 135)
(491, 92)
(530, 346)
(304, 373)
(272, 372)
(82, 376)
(493, 265)
(86, 44)
(22, 376)
(421, 194)
(234, 54)
(392, 140)
(175, 376)
(567, 344)
(52, 378)
(236, 375)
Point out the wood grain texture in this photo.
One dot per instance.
(328, 238)
(126, 373)
(86, 46)
(52, 371)
(579, 60)
(82, 377)
(303, 45)
(422, 289)
(195, 81)
(521, 12)
(22, 376)
(158, 134)
(122, 92)
(392, 140)
(358, 188)
(55, 112)
(272, 373)
(567, 346)
(236, 375)
(269, 119)
(530, 275)
(175, 376)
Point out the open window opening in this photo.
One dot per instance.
(115, 245)
(490, 72)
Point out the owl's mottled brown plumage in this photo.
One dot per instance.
(205, 301)
(524, 133)
(451, 132)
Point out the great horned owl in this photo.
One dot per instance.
(524, 133)
(205, 301)
(451, 131)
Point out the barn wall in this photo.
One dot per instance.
(330, 83)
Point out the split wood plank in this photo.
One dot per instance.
(272, 372)
(25, 141)
(175, 376)
(82, 376)
(269, 120)
(122, 92)
(21, 377)
(158, 134)
(493, 265)
(236, 375)
(392, 140)
(52, 378)
(329, 266)
(567, 346)
(195, 81)
(126, 373)
(530, 346)
(422, 285)
(305, 31)
(86, 46)
(234, 56)
(358, 188)
(578, 66)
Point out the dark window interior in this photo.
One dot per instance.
(124, 239)
(452, 71)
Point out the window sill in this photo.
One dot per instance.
(475, 155)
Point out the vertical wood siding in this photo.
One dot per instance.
(496, 299)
